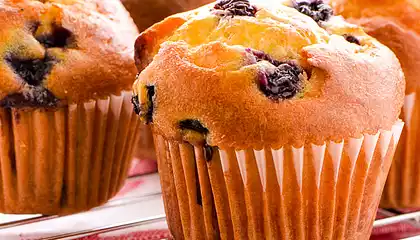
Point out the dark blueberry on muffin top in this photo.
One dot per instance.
(351, 39)
(317, 10)
(193, 125)
(32, 71)
(59, 37)
(235, 8)
(282, 83)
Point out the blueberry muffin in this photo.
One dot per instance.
(271, 120)
(394, 23)
(67, 125)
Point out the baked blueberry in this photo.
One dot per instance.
(352, 39)
(59, 37)
(32, 71)
(235, 8)
(317, 10)
(136, 104)
(193, 125)
(145, 110)
(283, 83)
(34, 96)
(149, 110)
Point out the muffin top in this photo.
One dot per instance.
(395, 24)
(147, 12)
(239, 73)
(59, 52)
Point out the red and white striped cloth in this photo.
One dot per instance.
(143, 235)
(395, 231)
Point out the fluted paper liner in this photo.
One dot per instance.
(65, 160)
(402, 188)
(145, 149)
(328, 191)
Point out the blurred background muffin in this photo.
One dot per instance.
(395, 24)
(67, 125)
(147, 12)
(272, 120)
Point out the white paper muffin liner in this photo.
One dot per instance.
(145, 149)
(402, 188)
(330, 191)
(65, 160)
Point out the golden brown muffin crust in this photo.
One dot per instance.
(87, 46)
(395, 24)
(201, 68)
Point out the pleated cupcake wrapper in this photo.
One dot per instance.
(330, 191)
(145, 148)
(402, 189)
(65, 160)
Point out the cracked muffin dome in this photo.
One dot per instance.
(392, 22)
(59, 52)
(239, 73)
